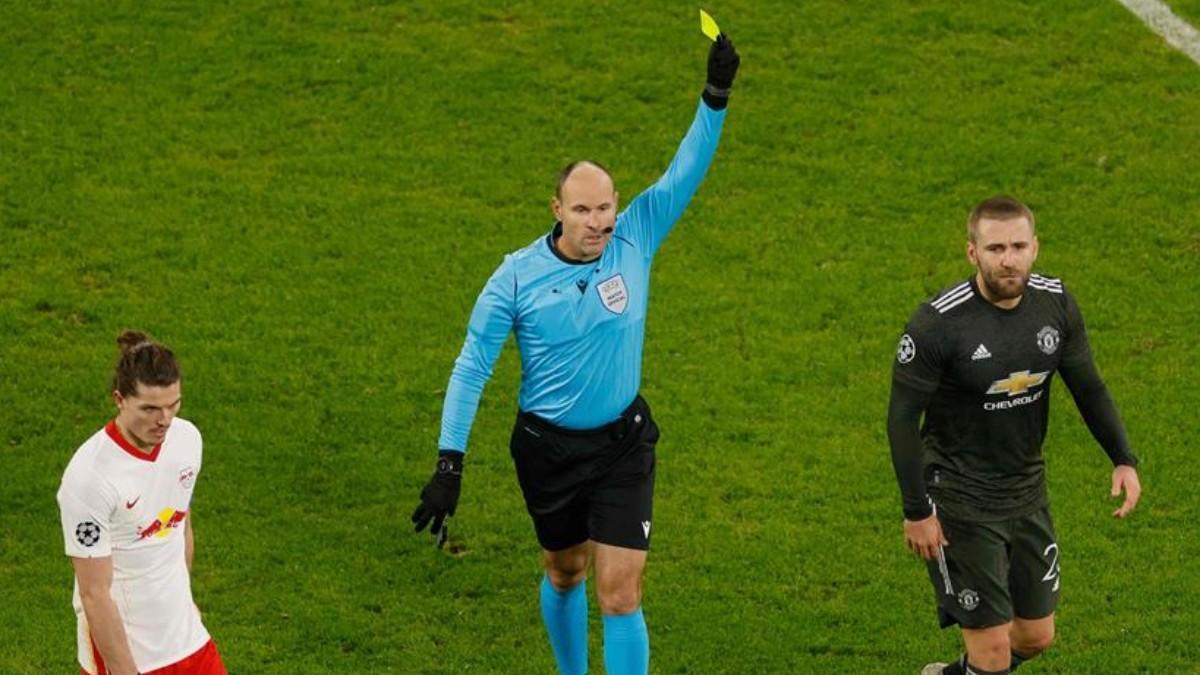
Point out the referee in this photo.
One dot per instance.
(978, 359)
(583, 442)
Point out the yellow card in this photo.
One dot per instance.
(708, 26)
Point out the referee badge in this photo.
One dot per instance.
(614, 294)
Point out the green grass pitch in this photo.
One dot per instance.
(304, 198)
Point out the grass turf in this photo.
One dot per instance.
(303, 199)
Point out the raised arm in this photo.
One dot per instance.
(651, 215)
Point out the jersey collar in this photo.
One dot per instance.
(115, 434)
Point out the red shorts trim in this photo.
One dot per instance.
(204, 661)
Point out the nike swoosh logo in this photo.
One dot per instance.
(129, 505)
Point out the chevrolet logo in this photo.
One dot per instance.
(1017, 383)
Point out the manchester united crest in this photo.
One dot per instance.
(1048, 339)
(968, 599)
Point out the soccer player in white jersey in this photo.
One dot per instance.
(125, 503)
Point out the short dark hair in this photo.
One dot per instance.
(143, 360)
(1000, 207)
(570, 168)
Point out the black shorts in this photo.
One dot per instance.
(596, 484)
(994, 571)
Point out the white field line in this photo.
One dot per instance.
(1177, 32)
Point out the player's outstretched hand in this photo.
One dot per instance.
(924, 537)
(439, 498)
(1125, 478)
(723, 62)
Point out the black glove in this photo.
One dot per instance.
(723, 62)
(440, 496)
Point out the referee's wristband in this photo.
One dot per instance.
(713, 90)
(715, 97)
(450, 462)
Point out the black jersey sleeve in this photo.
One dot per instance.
(1078, 370)
(903, 427)
(1076, 349)
(921, 355)
(916, 372)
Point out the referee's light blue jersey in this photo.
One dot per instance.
(579, 326)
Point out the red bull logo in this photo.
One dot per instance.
(168, 519)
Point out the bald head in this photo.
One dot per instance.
(589, 173)
(586, 205)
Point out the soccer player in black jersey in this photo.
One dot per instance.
(977, 360)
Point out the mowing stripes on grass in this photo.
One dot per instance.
(1159, 17)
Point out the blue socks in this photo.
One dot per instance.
(566, 616)
(626, 644)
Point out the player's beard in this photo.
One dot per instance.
(1004, 287)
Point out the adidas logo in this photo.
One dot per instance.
(981, 353)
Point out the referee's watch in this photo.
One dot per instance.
(439, 498)
(450, 462)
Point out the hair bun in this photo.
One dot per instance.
(130, 339)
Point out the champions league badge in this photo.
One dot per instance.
(907, 350)
(87, 533)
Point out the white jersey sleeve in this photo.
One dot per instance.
(86, 509)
